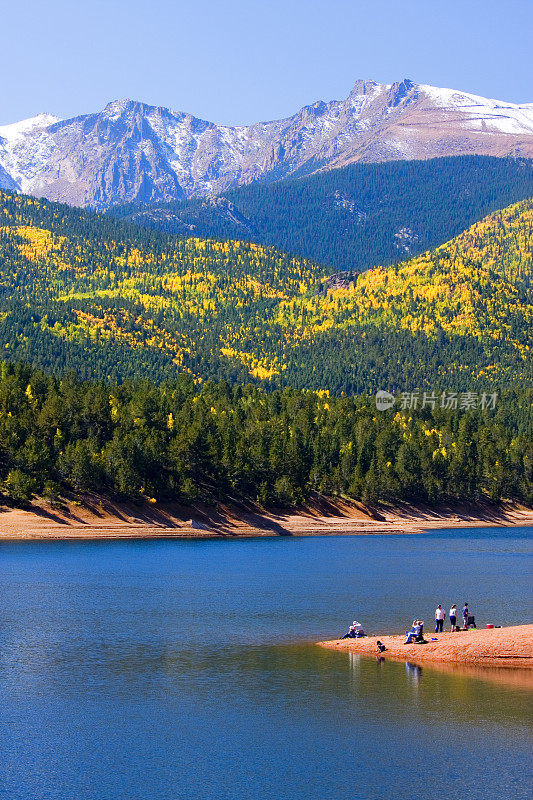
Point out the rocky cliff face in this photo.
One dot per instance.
(134, 152)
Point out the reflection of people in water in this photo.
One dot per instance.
(414, 671)
(355, 659)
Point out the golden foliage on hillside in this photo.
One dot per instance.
(200, 301)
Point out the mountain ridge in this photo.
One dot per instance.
(132, 151)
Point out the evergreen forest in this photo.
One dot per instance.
(355, 217)
(187, 441)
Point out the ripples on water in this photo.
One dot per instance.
(166, 670)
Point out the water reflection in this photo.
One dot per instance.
(511, 677)
(262, 675)
(414, 673)
(355, 660)
(503, 676)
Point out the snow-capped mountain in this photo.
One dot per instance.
(131, 151)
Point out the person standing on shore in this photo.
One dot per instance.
(439, 619)
(453, 618)
(465, 616)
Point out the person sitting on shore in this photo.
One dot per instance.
(355, 631)
(381, 647)
(350, 633)
(410, 634)
(416, 634)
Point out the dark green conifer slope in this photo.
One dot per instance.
(355, 217)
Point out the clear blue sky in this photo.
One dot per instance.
(236, 62)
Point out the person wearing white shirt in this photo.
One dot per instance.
(453, 618)
(439, 619)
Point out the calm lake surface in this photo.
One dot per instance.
(163, 670)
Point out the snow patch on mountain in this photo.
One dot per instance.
(25, 147)
(17, 130)
(497, 116)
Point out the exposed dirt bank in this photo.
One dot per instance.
(97, 518)
(502, 647)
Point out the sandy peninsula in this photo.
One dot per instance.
(101, 518)
(496, 647)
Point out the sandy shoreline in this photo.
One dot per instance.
(497, 647)
(103, 519)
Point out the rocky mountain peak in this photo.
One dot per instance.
(364, 87)
(119, 109)
(132, 151)
(401, 91)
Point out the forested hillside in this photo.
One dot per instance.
(355, 217)
(187, 441)
(115, 302)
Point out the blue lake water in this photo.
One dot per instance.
(170, 670)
